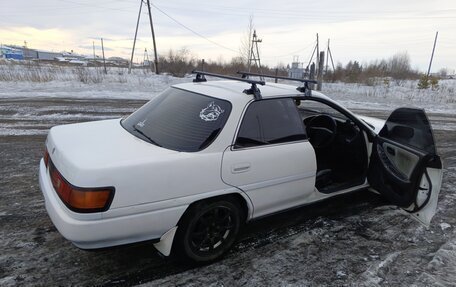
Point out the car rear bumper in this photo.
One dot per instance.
(91, 231)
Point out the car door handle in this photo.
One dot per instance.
(240, 167)
(391, 151)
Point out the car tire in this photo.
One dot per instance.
(207, 231)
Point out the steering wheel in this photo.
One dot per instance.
(321, 130)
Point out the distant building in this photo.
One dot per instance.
(48, 56)
(30, 54)
(24, 53)
(118, 61)
(73, 56)
(296, 71)
(7, 52)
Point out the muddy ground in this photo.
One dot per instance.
(352, 240)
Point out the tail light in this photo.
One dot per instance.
(78, 199)
(46, 157)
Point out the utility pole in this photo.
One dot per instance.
(255, 53)
(321, 63)
(93, 45)
(153, 37)
(312, 75)
(432, 56)
(104, 60)
(332, 61)
(318, 54)
(327, 57)
(146, 58)
(134, 41)
(311, 57)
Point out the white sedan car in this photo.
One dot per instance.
(196, 162)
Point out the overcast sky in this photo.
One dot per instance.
(362, 30)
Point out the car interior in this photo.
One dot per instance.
(339, 145)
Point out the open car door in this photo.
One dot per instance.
(404, 166)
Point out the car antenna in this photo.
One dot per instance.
(304, 89)
(254, 90)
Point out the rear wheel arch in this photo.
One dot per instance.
(182, 248)
(234, 197)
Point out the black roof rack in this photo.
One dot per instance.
(305, 89)
(252, 91)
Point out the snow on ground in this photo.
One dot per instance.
(82, 82)
(78, 83)
(388, 97)
(118, 84)
(350, 241)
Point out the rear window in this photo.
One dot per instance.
(179, 120)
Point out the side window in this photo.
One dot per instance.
(310, 108)
(410, 127)
(270, 122)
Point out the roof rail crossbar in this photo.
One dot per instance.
(199, 78)
(246, 74)
(254, 90)
(305, 89)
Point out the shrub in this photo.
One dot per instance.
(423, 83)
(434, 83)
(87, 76)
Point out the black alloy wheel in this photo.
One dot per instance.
(208, 230)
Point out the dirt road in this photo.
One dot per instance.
(355, 239)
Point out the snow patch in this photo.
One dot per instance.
(405, 93)
(22, 132)
(8, 281)
(373, 275)
(341, 274)
(444, 225)
(441, 270)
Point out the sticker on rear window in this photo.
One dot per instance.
(211, 113)
(142, 123)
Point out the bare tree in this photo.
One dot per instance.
(399, 66)
(246, 42)
(443, 73)
(179, 62)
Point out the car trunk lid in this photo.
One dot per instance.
(80, 150)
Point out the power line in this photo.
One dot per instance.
(316, 14)
(68, 11)
(147, 3)
(292, 53)
(134, 41)
(193, 31)
(91, 5)
(153, 37)
(260, 13)
(213, 42)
